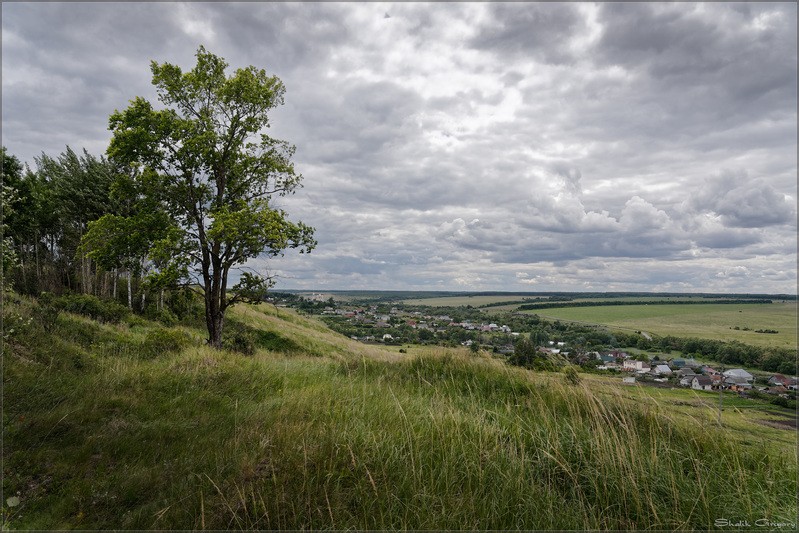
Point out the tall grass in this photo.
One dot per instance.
(349, 439)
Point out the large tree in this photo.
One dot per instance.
(216, 173)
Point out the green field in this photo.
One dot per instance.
(474, 301)
(709, 321)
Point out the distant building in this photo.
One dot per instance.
(736, 383)
(632, 365)
(662, 370)
(779, 379)
(738, 373)
(701, 383)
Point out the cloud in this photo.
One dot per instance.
(457, 145)
(531, 30)
(742, 202)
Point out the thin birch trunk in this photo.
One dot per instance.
(130, 292)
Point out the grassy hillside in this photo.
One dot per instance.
(134, 425)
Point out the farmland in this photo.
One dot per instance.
(709, 321)
(464, 300)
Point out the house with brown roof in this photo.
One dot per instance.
(702, 383)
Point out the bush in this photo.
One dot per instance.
(572, 377)
(237, 338)
(162, 341)
(783, 402)
(92, 306)
(186, 305)
(757, 395)
(164, 316)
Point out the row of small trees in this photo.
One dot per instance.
(184, 196)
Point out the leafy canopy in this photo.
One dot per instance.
(213, 170)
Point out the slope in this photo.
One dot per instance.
(134, 425)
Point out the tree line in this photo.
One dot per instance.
(552, 305)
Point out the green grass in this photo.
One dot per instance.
(325, 433)
(709, 321)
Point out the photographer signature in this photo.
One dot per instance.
(761, 522)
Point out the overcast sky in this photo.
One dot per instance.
(473, 146)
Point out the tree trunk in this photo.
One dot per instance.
(214, 304)
(161, 301)
(214, 319)
(143, 295)
(116, 275)
(130, 292)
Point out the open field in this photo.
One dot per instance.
(474, 301)
(709, 321)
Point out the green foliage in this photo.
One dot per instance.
(162, 341)
(245, 339)
(783, 402)
(572, 376)
(526, 355)
(213, 170)
(252, 288)
(238, 338)
(164, 316)
(92, 306)
(10, 170)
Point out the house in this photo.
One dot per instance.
(779, 379)
(678, 363)
(607, 359)
(629, 380)
(738, 384)
(387, 337)
(632, 365)
(686, 375)
(708, 371)
(662, 370)
(738, 373)
(702, 383)
(691, 363)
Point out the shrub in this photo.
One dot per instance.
(572, 377)
(783, 402)
(48, 312)
(162, 341)
(186, 305)
(92, 306)
(164, 316)
(237, 338)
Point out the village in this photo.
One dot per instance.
(399, 324)
(690, 373)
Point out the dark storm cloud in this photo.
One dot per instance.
(530, 30)
(279, 36)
